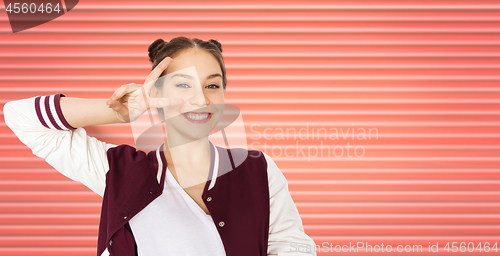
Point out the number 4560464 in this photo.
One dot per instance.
(470, 247)
(32, 8)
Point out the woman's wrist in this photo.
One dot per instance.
(80, 112)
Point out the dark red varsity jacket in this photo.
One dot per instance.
(250, 203)
(240, 200)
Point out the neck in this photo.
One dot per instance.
(189, 157)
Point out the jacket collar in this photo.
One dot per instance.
(212, 175)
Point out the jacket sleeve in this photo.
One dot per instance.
(38, 122)
(286, 233)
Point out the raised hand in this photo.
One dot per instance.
(131, 100)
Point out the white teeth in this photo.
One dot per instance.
(197, 117)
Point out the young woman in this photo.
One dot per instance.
(187, 197)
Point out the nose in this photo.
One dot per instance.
(199, 99)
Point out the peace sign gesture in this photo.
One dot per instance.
(131, 100)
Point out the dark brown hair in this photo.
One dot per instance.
(161, 49)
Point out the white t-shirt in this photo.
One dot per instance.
(174, 224)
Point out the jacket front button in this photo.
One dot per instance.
(221, 224)
(152, 191)
(209, 199)
(110, 242)
(124, 215)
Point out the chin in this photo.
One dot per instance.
(197, 134)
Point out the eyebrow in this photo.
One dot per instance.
(190, 77)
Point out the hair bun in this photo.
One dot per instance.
(154, 48)
(216, 44)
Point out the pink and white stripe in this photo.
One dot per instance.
(48, 110)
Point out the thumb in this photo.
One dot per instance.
(164, 102)
(119, 108)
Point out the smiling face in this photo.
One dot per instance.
(195, 76)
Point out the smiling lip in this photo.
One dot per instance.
(197, 115)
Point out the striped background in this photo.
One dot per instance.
(424, 74)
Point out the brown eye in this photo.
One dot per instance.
(213, 86)
(182, 85)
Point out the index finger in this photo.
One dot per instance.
(158, 70)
